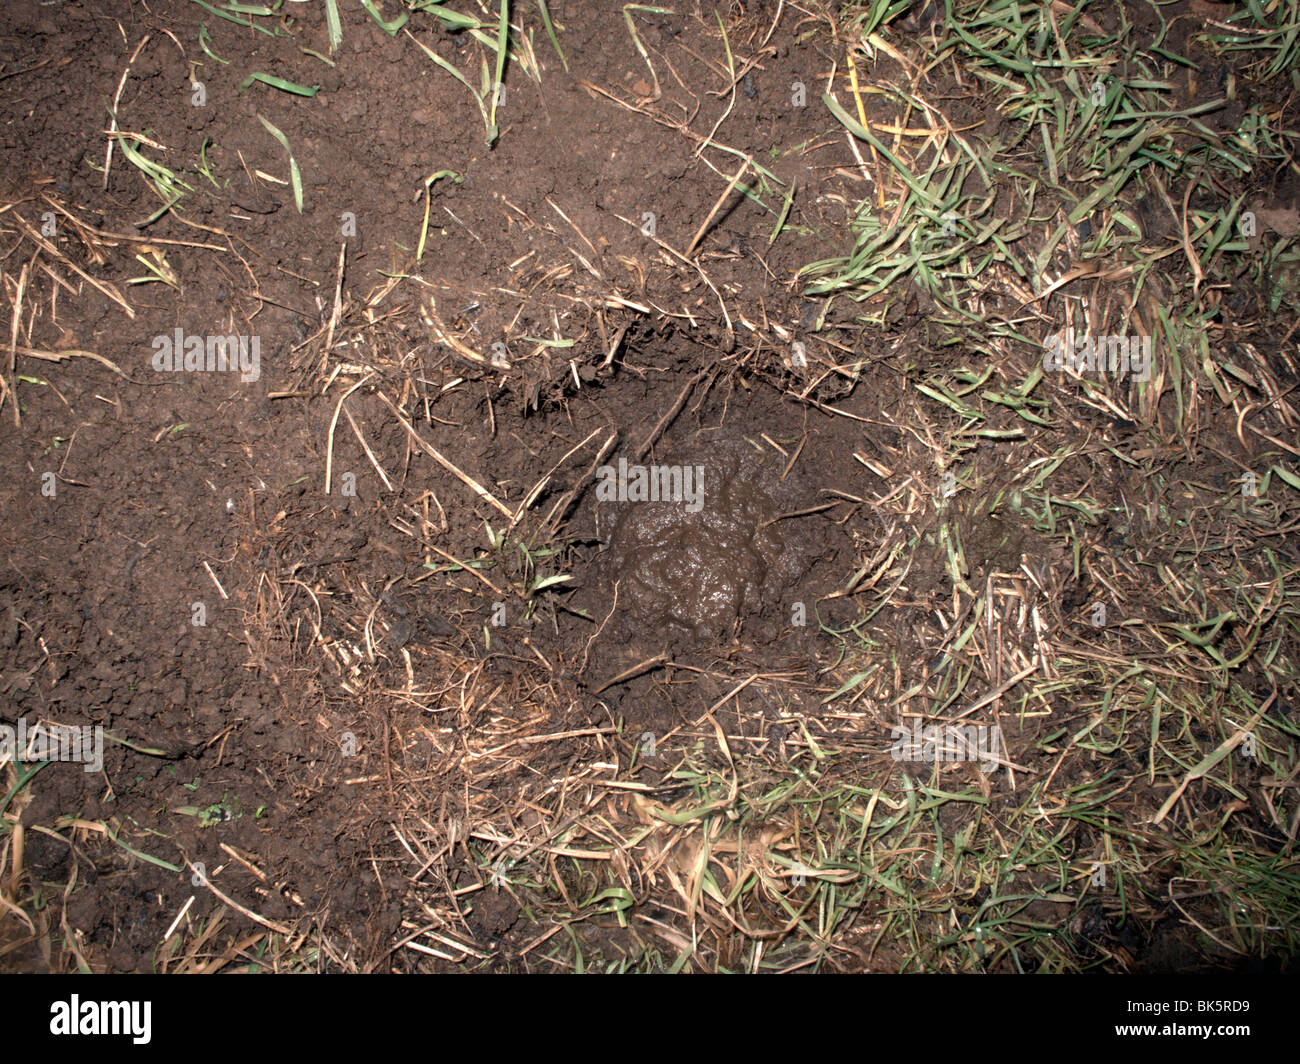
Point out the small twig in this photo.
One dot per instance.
(635, 670)
(61, 356)
(533, 740)
(573, 225)
(366, 447)
(735, 180)
(731, 330)
(13, 341)
(790, 464)
(666, 420)
(537, 488)
(582, 670)
(36, 66)
(104, 234)
(800, 513)
(103, 286)
(563, 507)
(329, 442)
(179, 916)
(464, 478)
(279, 929)
(216, 581)
(338, 299)
(462, 565)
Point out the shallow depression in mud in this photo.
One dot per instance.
(705, 539)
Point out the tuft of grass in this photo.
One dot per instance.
(169, 187)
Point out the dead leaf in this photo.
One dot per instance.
(1285, 221)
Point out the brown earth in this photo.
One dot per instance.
(181, 494)
(251, 584)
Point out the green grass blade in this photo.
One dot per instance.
(278, 83)
(295, 178)
(550, 32)
(333, 23)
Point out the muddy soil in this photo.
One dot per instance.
(323, 606)
(170, 584)
(709, 549)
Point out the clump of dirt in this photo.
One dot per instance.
(702, 542)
